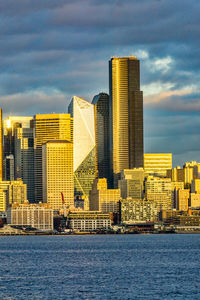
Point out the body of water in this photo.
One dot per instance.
(100, 267)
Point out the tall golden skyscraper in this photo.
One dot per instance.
(48, 127)
(1, 147)
(126, 115)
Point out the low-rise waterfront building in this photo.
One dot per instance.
(132, 210)
(39, 216)
(88, 220)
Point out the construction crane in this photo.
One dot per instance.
(63, 204)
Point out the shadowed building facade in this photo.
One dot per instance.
(101, 113)
(24, 159)
(10, 127)
(126, 115)
(1, 146)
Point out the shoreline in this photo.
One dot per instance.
(82, 234)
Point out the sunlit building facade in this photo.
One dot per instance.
(48, 127)
(159, 191)
(34, 215)
(138, 210)
(187, 173)
(9, 126)
(157, 164)
(14, 191)
(194, 200)
(183, 199)
(88, 220)
(195, 186)
(3, 200)
(84, 145)
(57, 172)
(104, 199)
(126, 115)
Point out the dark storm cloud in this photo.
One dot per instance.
(24, 7)
(51, 50)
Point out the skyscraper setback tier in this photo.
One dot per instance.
(48, 127)
(126, 115)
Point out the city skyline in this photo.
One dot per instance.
(99, 149)
(52, 51)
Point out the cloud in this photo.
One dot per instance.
(175, 100)
(51, 50)
(34, 102)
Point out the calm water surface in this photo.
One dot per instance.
(100, 267)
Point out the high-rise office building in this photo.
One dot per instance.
(104, 199)
(159, 190)
(157, 164)
(9, 167)
(182, 199)
(84, 145)
(185, 174)
(195, 186)
(131, 183)
(101, 112)
(57, 173)
(24, 159)
(9, 128)
(126, 115)
(15, 191)
(48, 127)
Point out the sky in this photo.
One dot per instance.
(51, 50)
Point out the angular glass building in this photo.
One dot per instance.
(84, 145)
